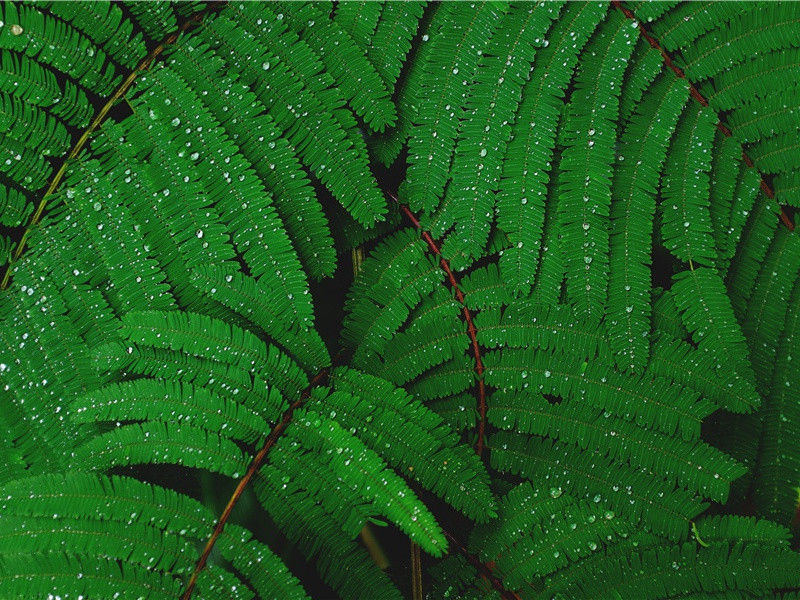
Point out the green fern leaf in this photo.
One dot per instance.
(635, 181)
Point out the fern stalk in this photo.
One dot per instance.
(471, 331)
(484, 569)
(255, 465)
(695, 93)
(416, 573)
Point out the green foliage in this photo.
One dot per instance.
(570, 376)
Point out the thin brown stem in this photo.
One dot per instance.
(484, 570)
(695, 93)
(374, 548)
(416, 573)
(471, 331)
(255, 465)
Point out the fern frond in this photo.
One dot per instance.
(652, 403)
(549, 285)
(666, 316)
(746, 529)
(644, 67)
(676, 359)
(117, 361)
(525, 170)
(733, 33)
(342, 563)
(347, 63)
(751, 122)
(573, 530)
(635, 183)
(21, 165)
(485, 287)
(154, 400)
(775, 481)
(546, 327)
(391, 41)
(756, 236)
(387, 147)
(263, 570)
(451, 377)
(706, 311)
(106, 25)
(37, 130)
(392, 283)
(452, 471)
(33, 83)
(457, 411)
(493, 98)
(247, 122)
(451, 66)
(593, 291)
(587, 161)
(93, 501)
(727, 174)
(157, 442)
(284, 81)
(633, 492)
(376, 483)
(769, 304)
(686, 226)
(359, 19)
(758, 77)
(205, 337)
(47, 41)
(37, 575)
(718, 568)
(287, 322)
(154, 18)
(678, 25)
(693, 465)
(14, 209)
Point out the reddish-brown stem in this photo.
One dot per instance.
(471, 331)
(484, 570)
(695, 93)
(255, 465)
